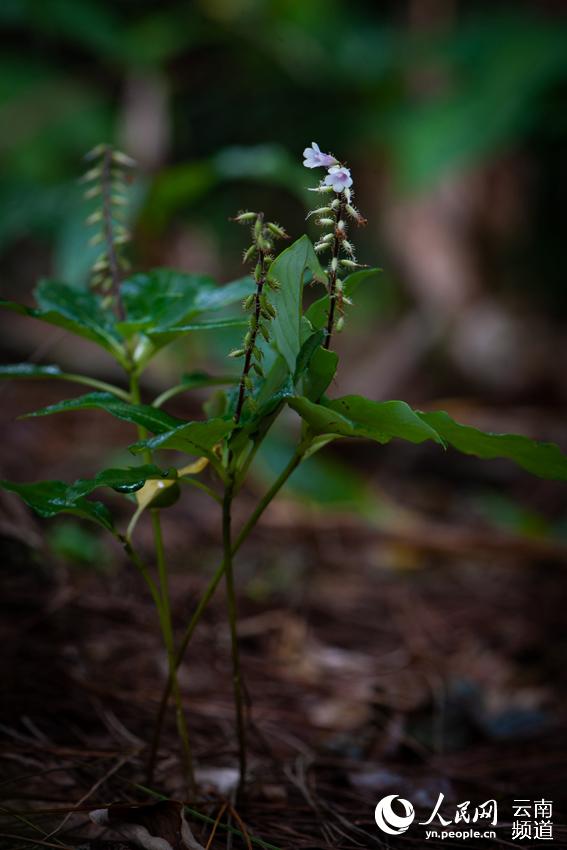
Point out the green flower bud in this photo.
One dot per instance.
(354, 213)
(244, 217)
(97, 151)
(94, 217)
(91, 174)
(322, 190)
(249, 253)
(350, 264)
(277, 230)
(237, 352)
(123, 159)
(264, 244)
(320, 211)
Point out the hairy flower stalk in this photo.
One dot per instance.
(333, 219)
(264, 235)
(108, 176)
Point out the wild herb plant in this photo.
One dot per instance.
(287, 363)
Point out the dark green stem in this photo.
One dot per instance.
(294, 462)
(233, 624)
(163, 606)
(167, 630)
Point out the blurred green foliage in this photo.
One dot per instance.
(246, 84)
(78, 546)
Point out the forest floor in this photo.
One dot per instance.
(374, 663)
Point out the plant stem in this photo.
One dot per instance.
(167, 630)
(93, 382)
(339, 216)
(233, 624)
(144, 572)
(249, 525)
(220, 381)
(164, 613)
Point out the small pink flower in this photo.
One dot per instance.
(339, 178)
(315, 158)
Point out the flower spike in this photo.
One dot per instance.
(333, 218)
(257, 304)
(108, 177)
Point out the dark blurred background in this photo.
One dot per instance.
(452, 117)
(450, 114)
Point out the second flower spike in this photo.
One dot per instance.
(333, 218)
(257, 304)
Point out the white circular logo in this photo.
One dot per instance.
(388, 820)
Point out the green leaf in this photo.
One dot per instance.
(277, 380)
(123, 480)
(79, 306)
(315, 365)
(320, 373)
(317, 312)
(49, 498)
(197, 380)
(542, 459)
(77, 311)
(308, 349)
(30, 370)
(162, 337)
(288, 269)
(156, 421)
(193, 438)
(33, 371)
(194, 380)
(355, 416)
(160, 300)
(223, 296)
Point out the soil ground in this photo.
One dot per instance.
(375, 663)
